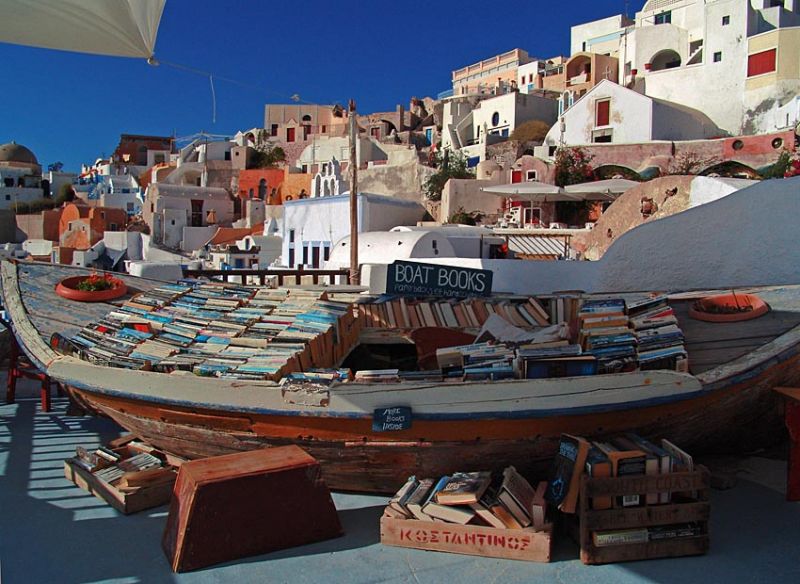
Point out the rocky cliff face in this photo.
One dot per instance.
(651, 200)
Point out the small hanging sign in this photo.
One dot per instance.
(391, 419)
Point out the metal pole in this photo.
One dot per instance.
(355, 277)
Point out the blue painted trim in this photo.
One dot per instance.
(491, 415)
(606, 37)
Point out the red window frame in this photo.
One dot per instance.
(602, 112)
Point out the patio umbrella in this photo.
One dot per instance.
(533, 192)
(601, 189)
(125, 28)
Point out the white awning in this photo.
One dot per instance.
(611, 186)
(123, 28)
(532, 191)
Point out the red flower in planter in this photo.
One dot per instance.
(95, 283)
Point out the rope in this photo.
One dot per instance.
(185, 68)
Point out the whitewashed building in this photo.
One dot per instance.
(173, 211)
(406, 242)
(735, 60)
(469, 129)
(311, 226)
(118, 191)
(610, 113)
(20, 176)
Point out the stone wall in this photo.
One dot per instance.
(403, 181)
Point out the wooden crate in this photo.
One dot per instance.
(124, 502)
(475, 540)
(682, 510)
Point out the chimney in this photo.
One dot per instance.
(401, 126)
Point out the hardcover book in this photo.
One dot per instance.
(565, 475)
(464, 488)
(625, 463)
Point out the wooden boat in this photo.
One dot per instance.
(723, 404)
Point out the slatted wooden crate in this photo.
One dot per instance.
(683, 509)
(475, 540)
(130, 501)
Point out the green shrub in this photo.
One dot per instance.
(449, 165)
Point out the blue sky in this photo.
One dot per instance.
(72, 107)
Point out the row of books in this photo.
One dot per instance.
(222, 330)
(624, 455)
(507, 502)
(399, 312)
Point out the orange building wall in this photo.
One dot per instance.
(293, 184)
(288, 185)
(96, 219)
(249, 179)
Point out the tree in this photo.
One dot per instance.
(66, 194)
(449, 165)
(691, 162)
(266, 153)
(785, 167)
(573, 166)
(531, 131)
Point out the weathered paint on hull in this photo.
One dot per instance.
(731, 419)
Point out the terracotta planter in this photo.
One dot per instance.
(713, 308)
(68, 288)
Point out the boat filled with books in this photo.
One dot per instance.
(201, 368)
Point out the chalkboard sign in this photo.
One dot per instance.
(391, 419)
(414, 279)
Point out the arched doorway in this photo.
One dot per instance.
(666, 59)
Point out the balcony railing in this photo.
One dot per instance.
(280, 275)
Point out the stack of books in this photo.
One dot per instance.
(479, 361)
(377, 376)
(660, 342)
(604, 333)
(510, 502)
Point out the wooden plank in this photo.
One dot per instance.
(650, 515)
(475, 540)
(688, 546)
(633, 485)
(790, 392)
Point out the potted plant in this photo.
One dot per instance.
(92, 288)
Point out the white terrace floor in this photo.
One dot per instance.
(53, 532)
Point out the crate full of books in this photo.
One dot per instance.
(633, 499)
(129, 475)
(471, 513)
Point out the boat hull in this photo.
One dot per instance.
(737, 418)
